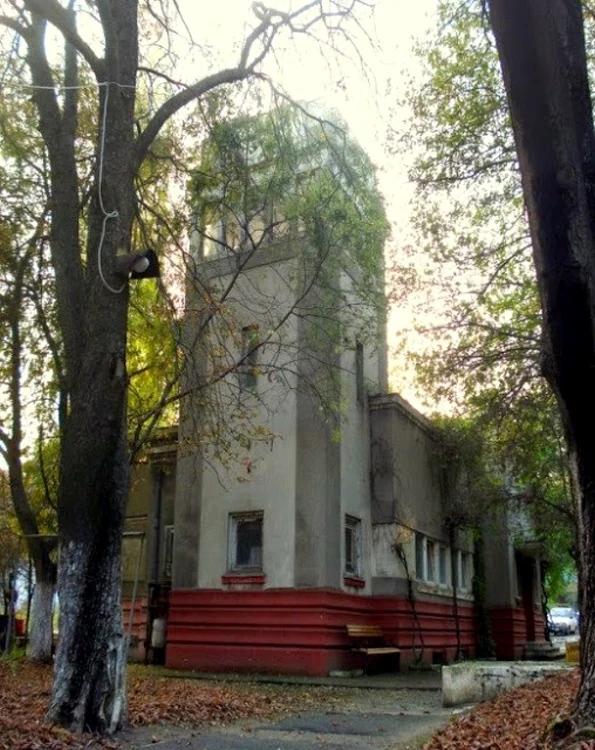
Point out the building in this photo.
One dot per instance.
(300, 496)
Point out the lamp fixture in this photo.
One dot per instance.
(142, 264)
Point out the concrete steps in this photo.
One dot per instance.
(542, 651)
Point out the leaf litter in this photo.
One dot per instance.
(25, 691)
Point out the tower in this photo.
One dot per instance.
(284, 340)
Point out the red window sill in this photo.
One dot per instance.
(231, 578)
(354, 582)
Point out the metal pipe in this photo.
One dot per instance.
(135, 587)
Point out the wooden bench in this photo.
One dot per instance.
(369, 641)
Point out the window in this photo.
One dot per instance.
(359, 372)
(248, 369)
(465, 571)
(431, 561)
(353, 546)
(214, 241)
(168, 550)
(420, 557)
(245, 541)
(443, 565)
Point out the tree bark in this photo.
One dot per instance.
(542, 53)
(89, 690)
(39, 644)
(90, 673)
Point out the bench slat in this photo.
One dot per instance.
(358, 631)
(370, 641)
(379, 650)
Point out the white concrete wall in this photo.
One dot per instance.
(481, 681)
(355, 484)
(385, 560)
(269, 487)
(355, 435)
(260, 477)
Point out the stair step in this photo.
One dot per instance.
(542, 651)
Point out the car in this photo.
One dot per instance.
(562, 621)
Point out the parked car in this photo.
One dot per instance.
(562, 621)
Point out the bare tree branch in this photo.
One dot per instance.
(176, 102)
(61, 18)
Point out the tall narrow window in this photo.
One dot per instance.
(443, 565)
(248, 369)
(245, 541)
(431, 561)
(420, 557)
(359, 372)
(214, 239)
(353, 545)
(466, 565)
(168, 554)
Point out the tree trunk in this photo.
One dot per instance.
(90, 675)
(89, 692)
(541, 47)
(39, 645)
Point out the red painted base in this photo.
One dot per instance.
(138, 632)
(509, 631)
(302, 631)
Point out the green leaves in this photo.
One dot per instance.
(482, 357)
(290, 192)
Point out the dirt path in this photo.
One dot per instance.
(374, 719)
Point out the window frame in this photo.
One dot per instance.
(443, 557)
(465, 570)
(232, 541)
(420, 556)
(354, 525)
(431, 555)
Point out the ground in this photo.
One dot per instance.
(392, 713)
(174, 713)
(374, 719)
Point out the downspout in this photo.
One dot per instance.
(455, 584)
(155, 551)
(157, 527)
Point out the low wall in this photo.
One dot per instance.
(475, 682)
(295, 631)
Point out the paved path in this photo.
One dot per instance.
(381, 719)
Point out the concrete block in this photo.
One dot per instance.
(474, 682)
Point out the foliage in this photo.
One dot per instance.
(483, 358)
(286, 172)
(10, 548)
(293, 188)
(471, 484)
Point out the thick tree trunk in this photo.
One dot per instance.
(89, 691)
(39, 644)
(542, 52)
(90, 674)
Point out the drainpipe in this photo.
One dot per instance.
(157, 527)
